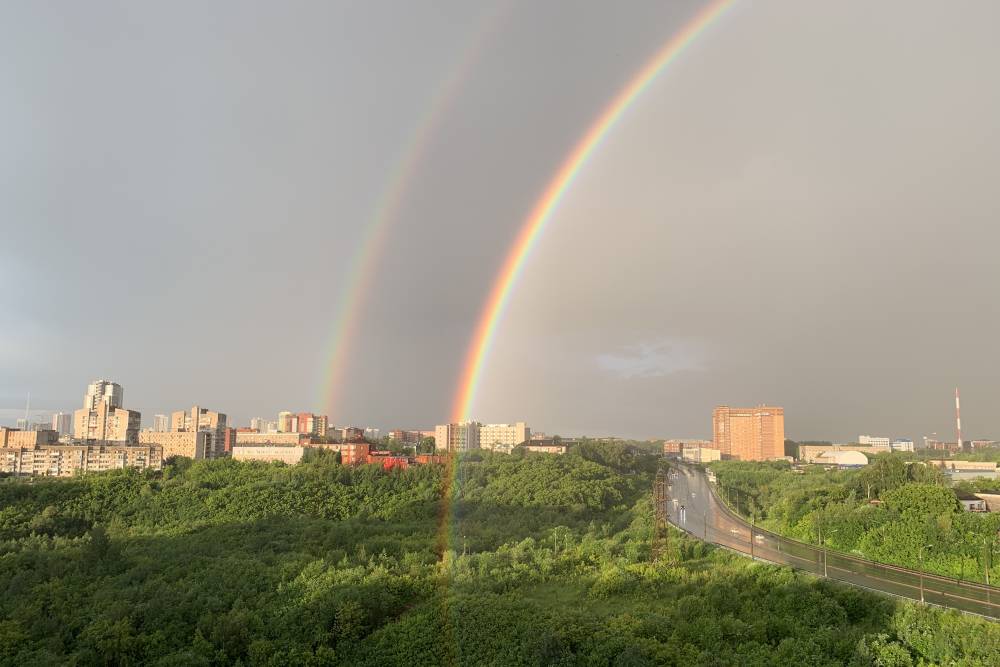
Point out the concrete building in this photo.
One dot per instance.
(503, 437)
(102, 418)
(372, 434)
(202, 420)
(192, 444)
(971, 502)
(67, 460)
(749, 434)
(842, 458)
(269, 453)
(901, 445)
(873, 441)
(160, 424)
(965, 470)
(106, 424)
(103, 391)
(13, 437)
(456, 437)
(697, 454)
(815, 453)
(406, 437)
(62, 423)
(259, 439)
(285, 422)
(991, 498)
(675, 447)
(547, 448)
(351, 453)
(259, 424)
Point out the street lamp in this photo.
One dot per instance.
(920, 556)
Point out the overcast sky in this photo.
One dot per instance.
(804, 210)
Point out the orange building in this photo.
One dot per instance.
(749, 434)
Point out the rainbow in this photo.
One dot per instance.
(542, 212)
(361, 269)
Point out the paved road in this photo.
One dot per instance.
(704, 516)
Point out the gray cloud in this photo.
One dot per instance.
(808, 192)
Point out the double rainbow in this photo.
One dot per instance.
(542, 212)
(361, 269)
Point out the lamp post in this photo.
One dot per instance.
(753, 520)
(920, 556)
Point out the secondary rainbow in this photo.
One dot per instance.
(361, 269)
(542, 212)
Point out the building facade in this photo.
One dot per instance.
(873, 441)
(457, 436)
(286, 439)
(269, 453)
(102, 418)
(67, 460)
(699, 454)
(192, 444)
(13, 437)
(406, 437)
(202, 420)
(503, 437)
(749, 434)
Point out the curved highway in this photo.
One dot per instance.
(693, 507)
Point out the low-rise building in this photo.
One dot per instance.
(545, 447)
(676, 447)
(697, 454)
(970, 502)
(503, 437)
(965, 470)
(286, 438)
(290, 454)
(991, 498)
(812, 453)
(901, 445)
(846, 458)
(351, 453)
(406, 437)
(67, 460)
(873, 441)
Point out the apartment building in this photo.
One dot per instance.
(192, 444)
(269, 453)
(13, 437)
(205, 421)
(244, 438)
(749, 434)
(102, 418)
(67, 460)
(503, 437)
(457, 436)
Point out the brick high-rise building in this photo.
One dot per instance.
(749, 434)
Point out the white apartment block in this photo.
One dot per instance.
(873, 441)
(503, 437)
(901, 445)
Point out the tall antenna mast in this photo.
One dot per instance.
(27, 409)
(958, 418)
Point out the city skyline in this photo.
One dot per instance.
(753, 228)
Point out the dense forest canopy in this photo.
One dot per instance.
(526, 559)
